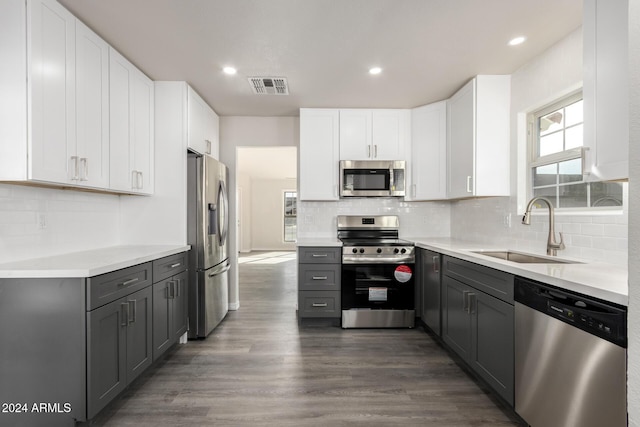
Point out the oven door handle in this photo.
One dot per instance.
(359, 259)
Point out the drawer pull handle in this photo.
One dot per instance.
(319, 255)
(319, 304)
(128, 282)
(175, 265)
(319, 277)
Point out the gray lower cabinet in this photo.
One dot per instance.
(76, 343)
(429, 277)
(169, 312)
(319, 275)
(478, 321)
(118, 346)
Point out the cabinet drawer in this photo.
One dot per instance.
(319, 255)
(494, 282)
(319, 304)
(110, 286)
(313, 277)
(168, 266)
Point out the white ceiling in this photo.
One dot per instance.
(427, 48)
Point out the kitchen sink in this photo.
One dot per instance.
(524, 258)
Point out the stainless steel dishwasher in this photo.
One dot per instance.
(571, 356)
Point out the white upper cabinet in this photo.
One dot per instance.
(478, 138)
(605, 91)
(92, 109)
(355, 135)
(203, 126)
(319, 154)
(51, 63)
(427, 168)
(374, 134)
(390, 136)
(59, 134)
(131, 127)
(58, 123)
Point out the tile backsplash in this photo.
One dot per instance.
(492, 221)
(37, 222)
(592, 237)
(318, 219)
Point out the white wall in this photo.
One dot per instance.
(244, 212)
(633, 367)
(249, 132)
(267, 213)
(74, 221)
(554, 73)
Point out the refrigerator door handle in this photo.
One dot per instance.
(223, 221)
(220, 270)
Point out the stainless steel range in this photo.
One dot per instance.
(377, 273)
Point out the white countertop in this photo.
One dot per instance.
(600, 280)
(87, 263)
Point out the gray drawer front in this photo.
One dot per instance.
(319, 255)
(494, 282)
(319, 304)
(168, 266)
(313, 277)
(110, 286)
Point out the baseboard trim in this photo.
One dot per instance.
(234, 306)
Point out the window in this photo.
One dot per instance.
(290, 214)
(557, 157)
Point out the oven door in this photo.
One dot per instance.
(378, 286)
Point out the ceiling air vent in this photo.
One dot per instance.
(269, 85)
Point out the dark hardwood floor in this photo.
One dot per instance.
(259, 367)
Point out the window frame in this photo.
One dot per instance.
(286, 216)
(534, 160)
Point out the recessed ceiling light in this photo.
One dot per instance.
(375, 70)
(229, 70)
(517, 40)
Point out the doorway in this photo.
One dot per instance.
(266, 191)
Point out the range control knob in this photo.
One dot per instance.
(354, 250)
(403, 251)
(379, 250)
(396, 250)
(361, 250)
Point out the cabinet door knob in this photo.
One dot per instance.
(465, 301)
(317, 304)
(74, 159)
(469, 189)
(124, 312)
(134, 304)
(84, 176)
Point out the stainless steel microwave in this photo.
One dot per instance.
(372, 178)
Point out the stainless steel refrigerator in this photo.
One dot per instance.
(208, 229)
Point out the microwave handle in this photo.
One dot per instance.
(391, 180)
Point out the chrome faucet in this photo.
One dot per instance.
(552, 245)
